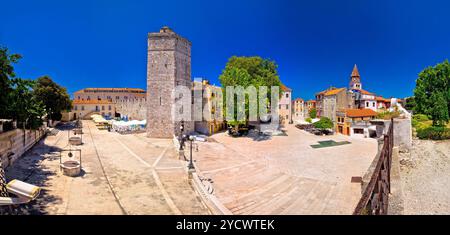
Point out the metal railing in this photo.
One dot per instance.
(375, 198)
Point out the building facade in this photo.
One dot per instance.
(299, 110)
(212, 119)
(83, 109)
(103, 101)
(168, 66)
(284, 105)
(334, 100)
(356, 122)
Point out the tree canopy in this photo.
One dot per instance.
(53, 96)
(6, 74)
(432, 93)
(27, 101)
(250, 71)
(324, 123)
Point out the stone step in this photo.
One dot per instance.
(267, 196)
(248, 197)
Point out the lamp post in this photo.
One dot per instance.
(191, 164)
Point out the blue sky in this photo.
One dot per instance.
(315, 43)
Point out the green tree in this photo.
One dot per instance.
(433, 89)
(53, 96)
(324, 123)
(6, 74)
(410, 103)
(438, 110)
(249, 71)
(24, 106)
(313, 113)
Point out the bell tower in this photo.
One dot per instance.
(355, 79)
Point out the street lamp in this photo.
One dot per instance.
(191, 164)
(181, 135)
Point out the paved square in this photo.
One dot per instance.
(284, 174)
(122, 174)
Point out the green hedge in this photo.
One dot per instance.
(420, 117)
(434, 133)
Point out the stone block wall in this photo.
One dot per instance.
(135, 109)
(17, 142)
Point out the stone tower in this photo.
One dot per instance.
(355, 79)
(168, 65)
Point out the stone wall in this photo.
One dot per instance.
(134, 109)
(16, 142)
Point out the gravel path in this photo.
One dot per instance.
(425, 176)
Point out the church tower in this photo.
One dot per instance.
(355, 79)
(168, 66)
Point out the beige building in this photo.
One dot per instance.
(83, 109)
(299, 109)
(103, 101)
(211, 97)
(111, 94)
(285, 103)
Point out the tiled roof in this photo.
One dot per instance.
(311, 101)
(364, 92)
(360, 113)
(93, 101)
(324, 91)
(285, 88)
(379, 98)
(112, 89)
(334, 91)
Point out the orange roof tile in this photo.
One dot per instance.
(111, 89)
(92, 102)
(380, 98)
(366, 92)
(311, 101)
(334, 91)
(285, 88)
(360, 113)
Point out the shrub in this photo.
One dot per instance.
(420, 117)
(313, 113)
(308, 120)
(434, 133)
(324, 123)
(387, 115)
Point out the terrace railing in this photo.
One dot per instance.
(375, 197)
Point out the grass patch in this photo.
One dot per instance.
(329, 143)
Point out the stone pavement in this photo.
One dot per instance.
(122, 174)
(284, 174)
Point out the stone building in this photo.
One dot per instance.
(284, 109)
(334, 100)
(133, 109)
(319, 101)
(168, 66)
